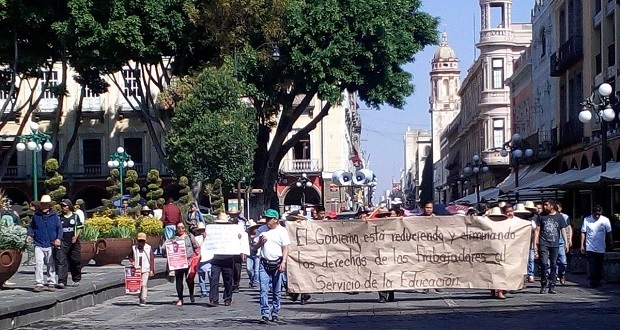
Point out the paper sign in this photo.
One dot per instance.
(133, 280)
(176, 255)
(224, 240)
(407, 254)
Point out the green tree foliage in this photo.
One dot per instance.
(331, 46)
(216, 197)
(53, 182)
(153, 188)
(114, 189)
(214, 131)
(186, 194)
(133, 188)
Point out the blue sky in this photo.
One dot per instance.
(383, 130)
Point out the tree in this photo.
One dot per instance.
(153, 188)
(216, 197)
(53, 183)
(331, 46)
(114, 189)
(133, 188)
(214, 132)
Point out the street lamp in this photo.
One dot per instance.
(461, 181)
(275, 54)
(475, 167)
(120, 159)
(303, 182)
(599, 104)
(33, 142)
(518, 149)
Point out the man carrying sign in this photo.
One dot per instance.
(272, 242)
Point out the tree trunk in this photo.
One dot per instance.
(76, 127)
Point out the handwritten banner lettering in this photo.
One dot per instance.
(407, 254)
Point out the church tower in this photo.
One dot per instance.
(445, 102)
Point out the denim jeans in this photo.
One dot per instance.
(547, 257)
(560, 262)
(251, 265)
(204, 273)
(530, 263)
(275, 280)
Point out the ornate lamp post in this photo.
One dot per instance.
(461, 182)
(275, 54)
(518, 149)
(303, 182)
(599, 104)
(35, 142)
(475, 167)
(120, 159)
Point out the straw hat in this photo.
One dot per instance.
(200, 226)
(383, 210)
(261, 221)
(295, 217)
(529, 205)
(495, 214)
(520, 209)
(233, 210)
(45, 202)
(501, 204)
(221, 218)
(145, 208)
(141, 237)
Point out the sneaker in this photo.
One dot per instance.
(530, 279)
(38, 288)
(382, 300)
(552, 290)
(142, 303)
(213, 304)
(76, 284)
(562, 280)
(61, 286)
(274, 318)
(51, 288)
(263, 320)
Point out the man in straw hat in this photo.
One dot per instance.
(549, 227)
(235, 218)
(46, 231)
(221, 264)
(272, 242)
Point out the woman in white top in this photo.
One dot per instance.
(142, 258)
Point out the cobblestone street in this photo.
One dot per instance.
(574, 306)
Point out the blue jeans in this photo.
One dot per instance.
(530, 263)
(251, 263)
(561, 262)
(266, 279)
(204, 272)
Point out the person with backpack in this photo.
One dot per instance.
(68, 255)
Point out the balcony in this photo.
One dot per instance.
(498, 97)
(496, 35)
(301, 166)
(494, 157)
(571, 133)
(570, 53)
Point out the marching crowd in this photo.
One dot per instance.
(57, 248)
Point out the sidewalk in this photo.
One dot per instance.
(20, 305)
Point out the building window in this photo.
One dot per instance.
(598, 63)
(498, 73)
(498, 133)
(611, 55)
(131, 77)
(134, 147)
(302, 149)
(49, 79)
(543, 42)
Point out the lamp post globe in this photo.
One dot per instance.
(275, 53)
(48, 146)
(476, 169)
(608, 114)
(585, 116)
(485, 169)
(308, 184)
(503, 152)
(120, 150)
(467, 169)
(21, 146)
(529, 152)
(475, 158)
(605, 89)
(130, 163)
(516, 137)
(298, 184)
(31, 145)
(518, 153)
(34, 127)
(110, 163)
(115, 163)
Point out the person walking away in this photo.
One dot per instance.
(222, 265)
(595, 235)
(203, 268)
(143, 259)
(252, 266)
(520, 211)
(497, 214)
(68, 255)
(46, 231)
(272, 242)
(547, 240)
(171, 217)
(191, 247)
(564, 246)
(235, 218)
(531, 262)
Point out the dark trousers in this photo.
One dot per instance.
(236, 272)
(386, 295)
(595, 267)
(545, 254)
(179, 276)
(224, 267)
(68, 259)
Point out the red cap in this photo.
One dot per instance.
(332, 214)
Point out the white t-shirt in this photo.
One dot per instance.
(80, 215)
(276, 239)
(142, 258)
(595, 231)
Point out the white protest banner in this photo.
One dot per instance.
(224, 240)
(407, 254)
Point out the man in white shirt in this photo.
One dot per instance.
(595, 230)
(272, 242)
